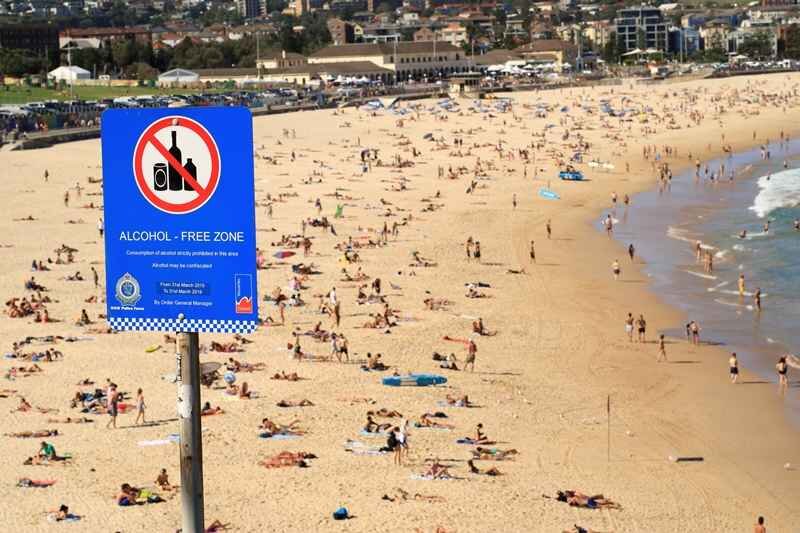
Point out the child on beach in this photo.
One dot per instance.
(733, 363)
(662, 349)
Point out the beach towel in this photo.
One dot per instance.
(359, 448)
(471, 441)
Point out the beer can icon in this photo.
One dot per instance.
(160, 176)
(244, 293)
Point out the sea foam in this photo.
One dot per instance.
(776, 191)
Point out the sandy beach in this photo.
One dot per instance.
(540, 385)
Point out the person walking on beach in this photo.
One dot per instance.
(615, 269)
(662, 349)
(741, 285)
(472, 350)
(609, 224)
(100, 226)
(641, 328)
(757, 299)
(733, 363)
(139, 407)
(783, 381)
(514, 201)
(533, 253)
(477, 253)
(694, 328)
(631, 251)
(629, 327)
(112, 404)
(469, 248)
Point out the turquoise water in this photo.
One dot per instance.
(664, 226)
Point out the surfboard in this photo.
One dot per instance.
(548, 194)
(414, 380)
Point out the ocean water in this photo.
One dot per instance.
(664, 225)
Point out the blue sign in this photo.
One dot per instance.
(180, 219)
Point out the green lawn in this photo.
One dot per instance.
(20, 95)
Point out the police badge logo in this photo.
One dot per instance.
(127, 290)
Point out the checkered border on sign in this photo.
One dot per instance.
(187, 325)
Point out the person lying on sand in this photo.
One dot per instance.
(286, 377)
(216, 526)
(495, 454)
(405, 495)
(129, 495)
(515, 271)
(578, 529)
(207, 410)
(33, 434)
(291, 403)
(70, 420)
(489, 472)
(385, 413)
(436, 304)
(225, 347)
(458, 401)
(271, 428)
(578, 499)
(62, 514)
(235, 365)
(426, 421)
(373, 427)
(285, 459)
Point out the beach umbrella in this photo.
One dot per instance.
(283, 254)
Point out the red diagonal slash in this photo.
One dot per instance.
(174, 163)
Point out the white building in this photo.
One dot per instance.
(64, 73)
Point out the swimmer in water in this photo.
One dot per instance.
(797, 224)
(743, 234)
(766, 226)
(741, 285)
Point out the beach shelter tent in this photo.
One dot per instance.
(65, 73)
(178, 75)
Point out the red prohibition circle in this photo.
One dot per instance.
(148, 137)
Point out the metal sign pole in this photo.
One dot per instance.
(191, 435)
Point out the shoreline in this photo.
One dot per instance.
(671, 211)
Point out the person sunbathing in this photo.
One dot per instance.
(578, 499)
(426, 421)
(290, 403)
(286, 377)
(239, 366)
(271, 428)
(33, 434)
(480, 437)
(70, 420)
(163, 480)
(129, 495)
(489, 472)
(493, 453)
(460, 401)
(436, 304)
(373, 427)
(23, 406)
(386, 413)
(480, 329)
(225, 347)
(437, 471)
(216, 526)
(284, 459)
(207, 410)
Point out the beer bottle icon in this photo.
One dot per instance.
(192, 170)
(175, 178)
